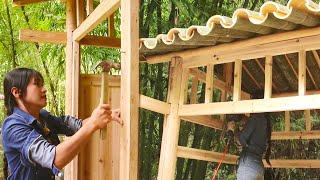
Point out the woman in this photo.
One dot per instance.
(29, 133)
(254, 138)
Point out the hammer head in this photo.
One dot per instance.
(107, 65)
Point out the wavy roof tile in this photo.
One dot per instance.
(244, 24)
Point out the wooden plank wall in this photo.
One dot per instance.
(90, 166)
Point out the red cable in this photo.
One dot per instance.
(224, 154)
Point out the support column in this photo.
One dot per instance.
(72, 76)
(171, 125)
(129, 89)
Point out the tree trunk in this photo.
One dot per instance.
(13, 48)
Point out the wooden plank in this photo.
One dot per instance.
(89, 7)
(258, 51)
(310, 92)
(154, 105)
(268, 78)
(61, 38)
(316, 56)
(104, 9)
(184, 86)
(217, 82)
(312, 79)
(308, 120)
(250, 44)
(16, 3)
(191, 153)
(237, 80)
(252, 106)
(209, 83)
(250, 75)
(171, 127)
(129, 134)
(302, 73)
(194, 90)
(262, 69)
(290, 64)
(308, 134)
(71, 169)
(287, 121)
(81, 12)
(204, 121)
(111, 25)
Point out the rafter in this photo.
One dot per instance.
(250, 75)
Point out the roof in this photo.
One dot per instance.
(244, 24)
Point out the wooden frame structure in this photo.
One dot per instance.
(183, 64)
(267, 46)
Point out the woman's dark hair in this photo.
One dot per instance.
(18, 78)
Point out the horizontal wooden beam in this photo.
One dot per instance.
(258, 51)
(252, 106)
(204, 121)
(247, 49)
(204, 155)
(314, 134)
(154, 105)
(95, 80)
(16, 3)
(219, 84)
(100, 13)
(61, 38)
(191, 153)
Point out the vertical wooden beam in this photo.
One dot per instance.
(111, 25)
(89, 7)
(129, 89)
(308, 120)
(268, 78)
(237, 80)
(184, 86)
(209, 84)
(287, 121)
(70, 172)
(171, 127)
(80, 11)
(194, 90)
(302, 73)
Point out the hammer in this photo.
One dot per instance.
(106, 66)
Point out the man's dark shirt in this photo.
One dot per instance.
(253, 136)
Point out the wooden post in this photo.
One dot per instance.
(302, 73)
(70, 172)
(308, 120)
(268, 78)
(171, 126)
(184, 85)
(237, 80)
(209, 84)
(129, 89)
(287, 121)
(194, 90)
